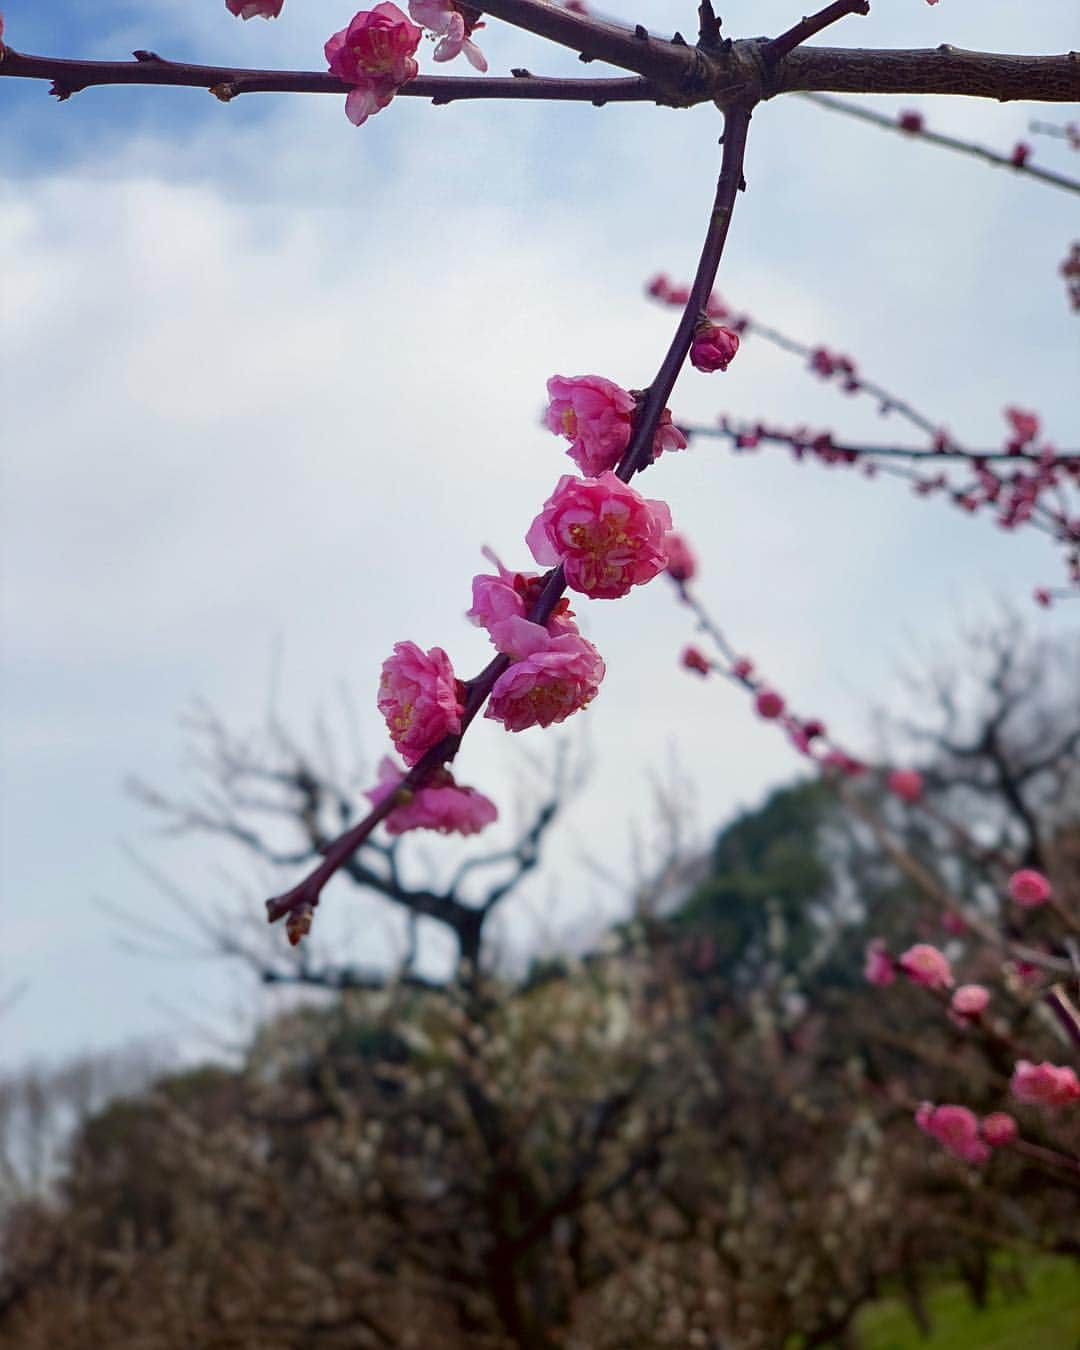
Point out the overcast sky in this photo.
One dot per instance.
(269, 382)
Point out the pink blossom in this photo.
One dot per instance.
(907, 784)
(681, 563)
(927, 966)
(247, 9)
(955, 1128)
(1045, 1084)
(438, 805)
(594, 416)
(507, 595)
(692, 659)
(374, 54)
(607, 536)
(551, 678)
(998, 1128)
(420, 699)
(378, 43)
(844, 763)
(445, 20)
(713, 348)
(910, 121)
(1029, 888)
(880, 969)
(769, 704)
(970, 1000)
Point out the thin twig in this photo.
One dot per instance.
(806, 28)
(229, 82)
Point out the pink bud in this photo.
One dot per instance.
(910, 121)
(769, 704)
(880, 969)
(1020, 153)
(743, 668)
(681, 565)
(970, 1000)
(692, 659)
(1043, 597)
(906, 784)
(925, 965)
(713, 348)
(1029, 888)
(998, 1128)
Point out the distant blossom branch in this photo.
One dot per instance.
(912, 125)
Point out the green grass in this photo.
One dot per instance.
(1045, 1317)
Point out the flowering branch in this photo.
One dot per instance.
(911, 125)
(300, 901)
(227, 82)
(835, 451)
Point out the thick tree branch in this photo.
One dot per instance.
(941, 70)
(597, 40)
(677, 75)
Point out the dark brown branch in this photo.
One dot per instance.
(941, 70)
(949, 142)
(677, 74)
(597, 40)
(228, 82)
(807, 27)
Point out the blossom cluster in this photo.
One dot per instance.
(1032, 1084)
(961, 1132)
(600, 538)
